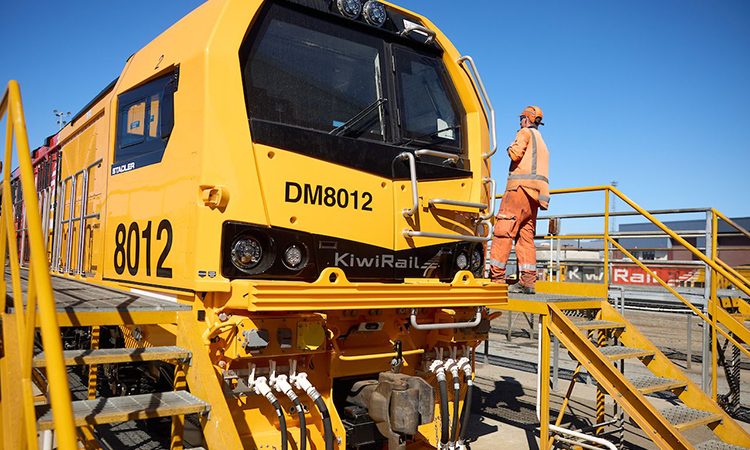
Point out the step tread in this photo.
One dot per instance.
(684, 417)
(623, 352)
(116, 355)
(648, 384)
(122, 409)
(717, 445)
(598, 324)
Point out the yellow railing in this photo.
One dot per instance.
(712, 261)
(39, 296)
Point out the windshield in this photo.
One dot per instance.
(313, 80)
(304, 75)
(427, 111)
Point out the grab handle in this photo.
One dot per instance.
(445, 326)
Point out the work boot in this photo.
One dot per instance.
(519, 288)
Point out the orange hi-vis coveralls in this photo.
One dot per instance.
(526, 191)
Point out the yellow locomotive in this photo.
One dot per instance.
(312, 178)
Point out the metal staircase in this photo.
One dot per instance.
(667, 427)
(106, 306)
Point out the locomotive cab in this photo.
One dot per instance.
(313, 177)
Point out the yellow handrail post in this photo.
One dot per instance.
(544, 391)
(712, 307)
(59, 392)
(606, 239)
(28, 424)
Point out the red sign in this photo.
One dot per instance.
(674, 276)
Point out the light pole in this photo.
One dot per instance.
(61, 118)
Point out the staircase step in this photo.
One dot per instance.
(648, 384)
(685, 418)
(615, 352)
(123, 409)
(598, 325)
(117, 355)
(717, 445)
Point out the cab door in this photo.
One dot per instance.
(432, 130)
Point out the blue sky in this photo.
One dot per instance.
(652, 94)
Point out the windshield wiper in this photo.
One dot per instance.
(434, 138)
(360, 116)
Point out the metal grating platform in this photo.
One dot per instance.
(117, 355)
(79, 296)
(80, 303)
(648, 384)
(622, 352)
(121, 409)
(598, 324)
(685, 418)
(551, 298)
(717, 445)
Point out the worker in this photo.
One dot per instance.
(526, 191)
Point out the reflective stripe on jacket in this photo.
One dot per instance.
(529, 165)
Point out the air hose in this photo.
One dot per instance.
(466, 411)
(444, 433)
(302, 424)
(282, 424)
(327, 427)
(456, 397)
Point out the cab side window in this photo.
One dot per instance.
(145, 118)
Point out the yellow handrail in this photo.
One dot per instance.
(674, 292)
(734, 224)
(715, 266)
(712, 261)
(39, 293)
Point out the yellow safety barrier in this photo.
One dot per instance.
(39, 296)
(716, 315)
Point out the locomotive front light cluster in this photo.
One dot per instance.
(246, 253)
(349, 8)
(252, 251)
(477, 260)
(462, 261)
(295, 256)
(375, 13)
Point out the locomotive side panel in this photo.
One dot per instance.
(81, 212)
(157, 145)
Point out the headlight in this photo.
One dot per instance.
(375, 13)
(295, 257)
(246, 253)
(476, 260)
(349, 8)
(462, 261)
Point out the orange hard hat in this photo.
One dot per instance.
(534, 114)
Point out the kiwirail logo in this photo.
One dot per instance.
(349, 260)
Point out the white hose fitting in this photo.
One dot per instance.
(261, 387)
(438, 368)
(464, 364)
(451, 365)
(282, 385)
(301, 382)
